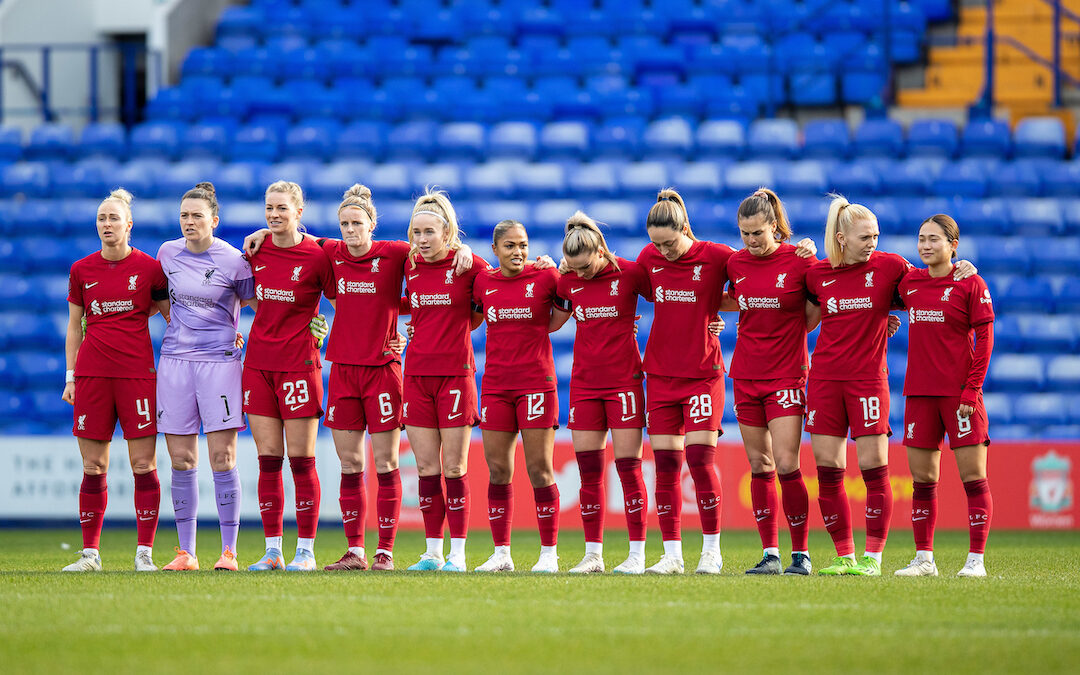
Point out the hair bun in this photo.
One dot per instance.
(358, 191)
(122, 195)
(208, 186)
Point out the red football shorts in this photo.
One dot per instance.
(757, 402)
(677, 405)
(282, 395)
(833, 407)
(603, 409)
(101, 401)
(515, 410)
(364, 397)
(928, 418)
(439, 402)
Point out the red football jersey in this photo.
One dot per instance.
(368, 300)
(606, 355)
(441, 306)
(942, 315)
(517, 311)
(771, 292)
(855, 302)
(116, 297)
(288, 283)
(687, 293)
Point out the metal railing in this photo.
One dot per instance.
(130, 57)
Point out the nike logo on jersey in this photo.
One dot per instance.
(912, 291)
(627, 418)
(575, 290)
(657, 269)
(260, 267)
(490, 291)
(413, 276)
(339, 262)
(828, 283)
(386, 419)
(699, 421)
(296, 407)
(92, 284)
(145, 424)
(870, 423)
(740, 280)
(454, 416)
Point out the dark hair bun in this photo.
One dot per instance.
(208, 186)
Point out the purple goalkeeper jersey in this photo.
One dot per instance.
(205, 291)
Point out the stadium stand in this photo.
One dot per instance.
(533, 109)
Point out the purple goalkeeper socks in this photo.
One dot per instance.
(185, 500)
(227, 498)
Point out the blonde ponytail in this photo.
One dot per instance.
(842, 215)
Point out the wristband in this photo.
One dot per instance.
(69, 377)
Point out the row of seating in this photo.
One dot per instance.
(828, 139)
(436, 21)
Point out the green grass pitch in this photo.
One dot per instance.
(1024, 618)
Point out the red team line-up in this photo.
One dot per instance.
(676, 391)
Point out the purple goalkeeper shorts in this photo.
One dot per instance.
(190, 393)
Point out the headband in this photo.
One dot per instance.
(432, 213)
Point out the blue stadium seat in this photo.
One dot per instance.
(966, 178)
(491, 180)
(1056, 255)
(593, 181)
(720, 138)
(981, 216)
(933, 138)
(255, 142)
(238, 181)
(879, 138)
(1041, 409)
(51, 141)
(986, 138)
(1063, 374)
(155, 139)
(312, 139)
(773, 138)
(1062, 181)
(1039, 137)
(458, 140)
(671, 136)
(22, 330)
(488, 213)
(542, 180)
(15, 290)
(1015, 179)
(413, 139)
(619, 137)
(1036, 216)
(30, 179)
(390, 179)
(998, 407)
(807, 215)
(10, 144)
(205, 140)
(1044, 334)
(826, 139)
(701, 180)
(620, 217)
(1006, 255)
(365, 139)
(444, 176)
(805, 177)
(1015, 373)
(642, 179)
(1006, 334)
(181, 177)
(913, 177)
(296, 171)
(550, 216)
(86, 178)
(856, 180)
(106, 139)
(564, 139)
(742, 179)
(512, 139)
(1068, 299)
